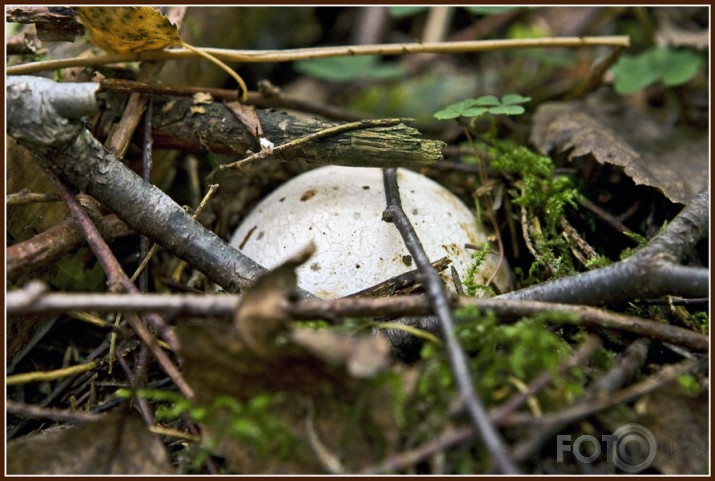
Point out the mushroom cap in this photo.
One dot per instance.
(340, 210)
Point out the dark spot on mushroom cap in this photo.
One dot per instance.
(308, 194)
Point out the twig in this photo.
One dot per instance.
(71, 149)
(117, 277)
(32, 299)
(400, 281)
(444, 441)
(56, 242)
(61, 386)
(145, 261)
(44, 376)
(439, 300)
(586, 252)
(362, 124)
(60, 415)
(601, 389)
(625, 368)
(23, 197)
(121, 133)
(218, 130)
(268, 96)
(454, 436)
(605, 216)
(326, 52)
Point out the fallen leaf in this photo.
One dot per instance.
(140, 29)
(671, 159)
(128, 29)
(363, 357)
(678, 422)
(117, 444)
(246, 114)
(261, 314)
(261, 354)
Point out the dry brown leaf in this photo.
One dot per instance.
(117, 444)
(246, 114)
(679, 424)
(260, 353)
(673, 160)
(261, 314)
(363, 357)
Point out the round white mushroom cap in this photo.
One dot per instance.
(340, 210)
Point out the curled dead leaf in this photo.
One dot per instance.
(261, 314)
(671, 159)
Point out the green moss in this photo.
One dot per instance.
(598, 262)
(543, 193)
(478, 258)
(252, 421)
(690, 383)
(701, 320)
(545, 197)
(499, 354)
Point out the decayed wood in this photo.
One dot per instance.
(215, 128)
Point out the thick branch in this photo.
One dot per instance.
(218, 130)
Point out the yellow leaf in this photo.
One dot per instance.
(128, 29)
(139, 29)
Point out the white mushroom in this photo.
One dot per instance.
(340, 210)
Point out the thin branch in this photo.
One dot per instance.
(217, 129)
(326, 52)
(606, 217)
(117, 277)
(439, 300)
(24, 197)
(60, 415)
(44, 376)
(56, 242)
(578, 358)
(454, 436)
(601, 389)
(33, 299)
(268, 96)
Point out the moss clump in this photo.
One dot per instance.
(470, 284)
(501, 357)
(543, 196)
